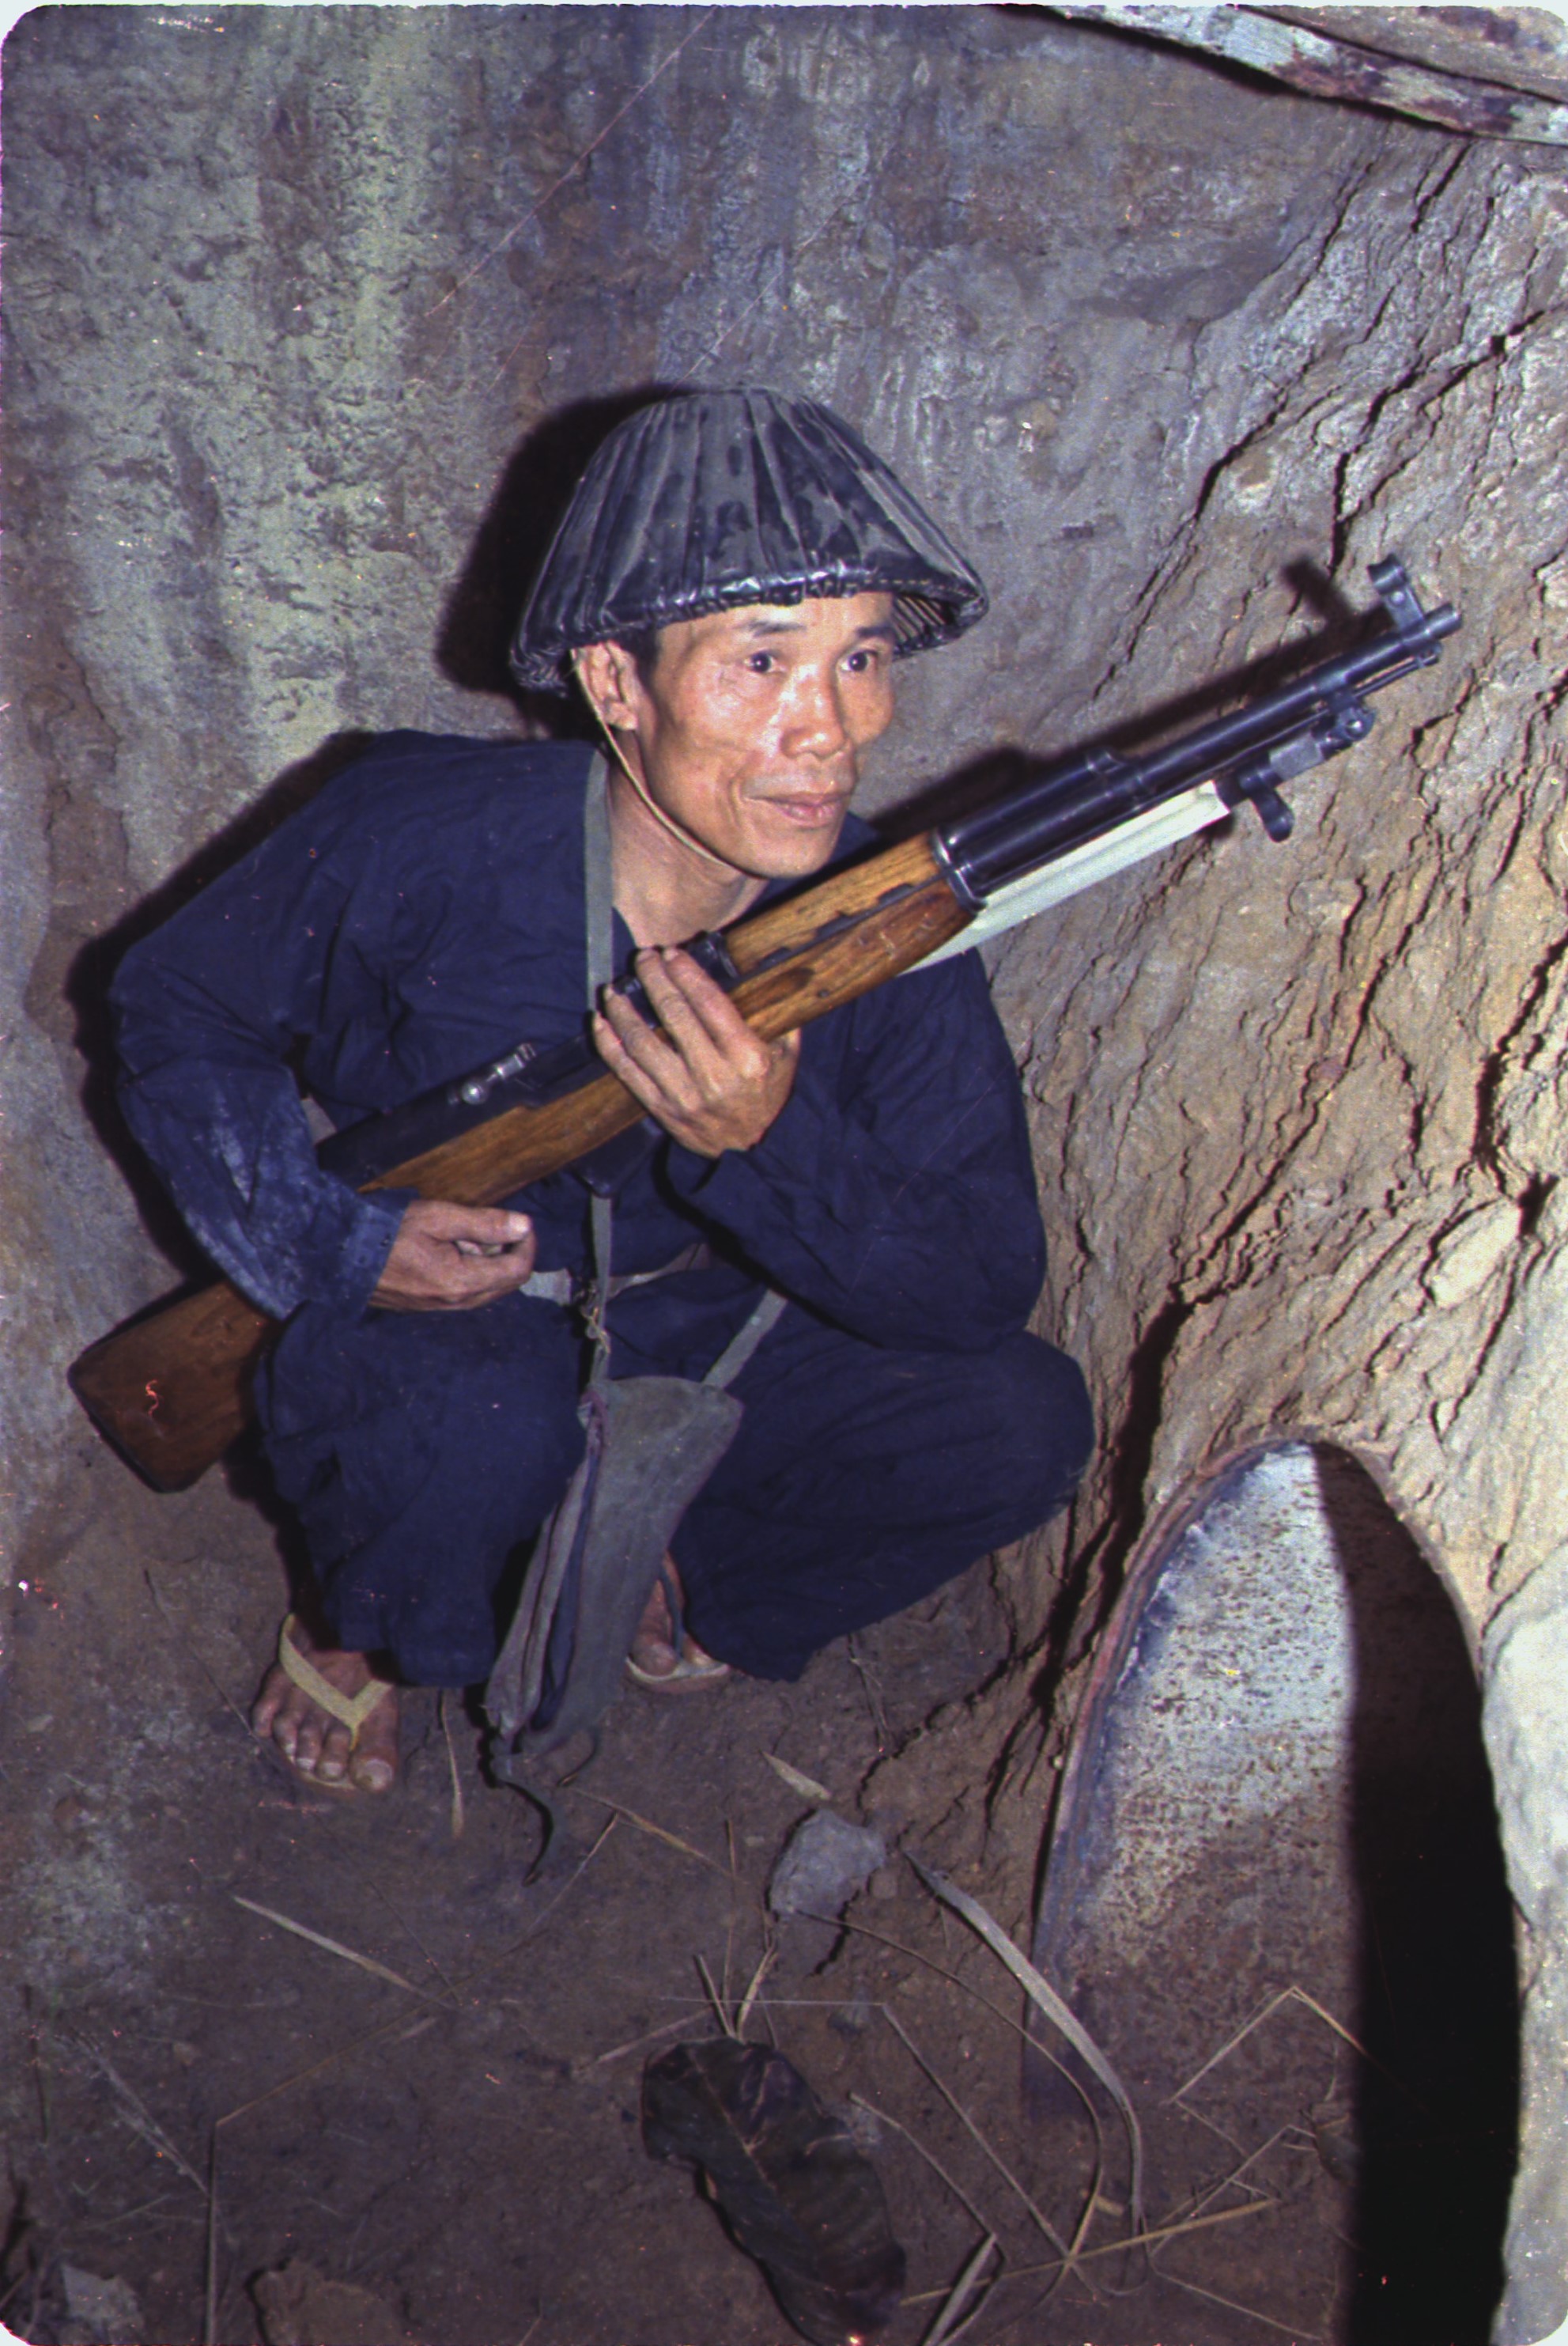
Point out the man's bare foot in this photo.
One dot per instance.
(653, 1661)
(325, 1749)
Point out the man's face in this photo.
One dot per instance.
(751, 726)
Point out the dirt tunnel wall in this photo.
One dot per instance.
(288, 290)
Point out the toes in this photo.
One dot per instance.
(372, 1764)
(332, 1761)
(274, 1694)
(319, 1746)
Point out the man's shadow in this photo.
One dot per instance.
(472, 641)
(473, 637)
(528, 506)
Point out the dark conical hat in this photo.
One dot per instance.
(717, 498)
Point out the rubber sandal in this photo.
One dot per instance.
(350, 1711)
(686, 1676)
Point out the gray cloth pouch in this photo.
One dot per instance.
(651, 1445)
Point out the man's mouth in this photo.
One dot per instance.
(812, 810)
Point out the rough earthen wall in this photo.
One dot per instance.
(289, 290)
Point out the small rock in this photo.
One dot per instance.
(825, 1862)
(298, 2306)
(854, 2018)
(99, 2313)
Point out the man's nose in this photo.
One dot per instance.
(814, 720)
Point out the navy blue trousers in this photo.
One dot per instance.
(422, 1450)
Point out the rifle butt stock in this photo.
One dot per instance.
(171, 1389)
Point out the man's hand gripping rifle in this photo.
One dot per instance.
(171, 1390)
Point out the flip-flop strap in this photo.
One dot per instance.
(350, 1710)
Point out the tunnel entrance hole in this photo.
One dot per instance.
(1275, 1893)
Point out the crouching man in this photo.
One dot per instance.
(730, 591)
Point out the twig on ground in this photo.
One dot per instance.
(1058, 2267)
(331, 1946)
(388, 2027)
(805, 1786)
(885, 2117)
(768, 1955)
(1006, 2018)
(954, 2317)
(1287, 2328)
(1151, 2240)
(43, 2044)
(136, 2114)
(126, 2215)
(729, 1921)
(452, 1764)
(870, 1687)
(658, 1832)
(1293, 1994)
(1046, 2001)
(209, 2295)
(405, 1925)
(633, 2045)
(1200, 2199)
(719, 2014)
(956, 2107)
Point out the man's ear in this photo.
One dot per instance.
(609, 676)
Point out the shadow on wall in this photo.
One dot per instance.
(1277, 1815)
(473, 636)
(481, 612)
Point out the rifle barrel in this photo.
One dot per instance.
(1077, 797)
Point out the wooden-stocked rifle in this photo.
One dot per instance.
(171, 1388)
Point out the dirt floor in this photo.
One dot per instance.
(431, 2129)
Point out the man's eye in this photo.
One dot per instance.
(760, 663)
(859, 662)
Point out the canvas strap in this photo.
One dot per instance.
(599, 924)
(599, 938)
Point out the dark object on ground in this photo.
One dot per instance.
(796, 2193)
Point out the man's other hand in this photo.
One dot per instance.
(707, 1077)
(452, 1258)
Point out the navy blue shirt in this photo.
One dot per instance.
(426, 913)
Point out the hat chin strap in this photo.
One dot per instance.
(677, 831)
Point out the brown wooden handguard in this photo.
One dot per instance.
(172, 1389)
